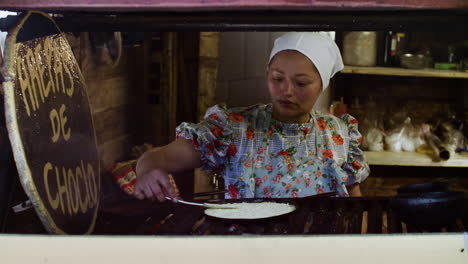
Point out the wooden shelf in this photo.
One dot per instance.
(413, 159)
(404, 72)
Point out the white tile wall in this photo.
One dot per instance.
(242, 92)
(232, 50)
(222, 92)
(256, 53)
(263, 96)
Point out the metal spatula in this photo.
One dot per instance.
(206, 205)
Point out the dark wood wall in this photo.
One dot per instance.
(385, 180)
(115, 95)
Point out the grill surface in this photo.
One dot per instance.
(313, 216)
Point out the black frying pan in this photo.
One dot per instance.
(423, 187)
(430, 210)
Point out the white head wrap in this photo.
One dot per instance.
(318, 47)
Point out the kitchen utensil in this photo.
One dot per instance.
(415, 61)
(206, 205)
(423, 187)
(431, 210)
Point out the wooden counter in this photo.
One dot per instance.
(413, 159)
(404, 72)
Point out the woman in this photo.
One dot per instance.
(282, 149)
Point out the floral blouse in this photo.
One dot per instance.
(261, 157)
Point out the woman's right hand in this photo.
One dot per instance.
(154, 165)
(152, 183)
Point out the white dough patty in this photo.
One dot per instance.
(251, 210)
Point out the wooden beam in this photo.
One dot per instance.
(400, 20)
(208, 71)
(145, 5)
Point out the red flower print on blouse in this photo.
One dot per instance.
(319, 190)
(334, 183)
(298, 181)
(327, 153)
(288, 186)
(356, 165)
(290, 167)
(220, 168)
(214, 116)
(209, 149)
(306, 131)
(195, 142)
(269, 168)
(258, 181)
(218, 143)
(284, 153)
(308, 182)
(353, 121)
(318, 174)
(294, 194)
(270, 133)
(321, 123)
(260, 150)
(337, 139)
(278, 178)
(248, 164)
(232, 150)
(217, 131)
(250, 133)
(233, 191)
(359, 140)
(279, 127)
(236, 117)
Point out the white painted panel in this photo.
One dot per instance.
(330, 249)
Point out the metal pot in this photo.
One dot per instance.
(360, 48)
(430, 210)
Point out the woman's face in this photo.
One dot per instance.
(294, 85)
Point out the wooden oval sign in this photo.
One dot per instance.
(50, 126)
